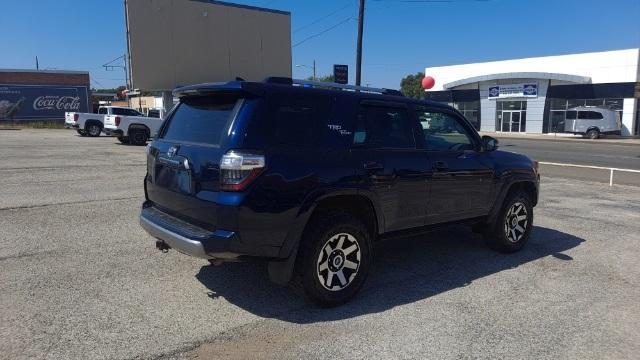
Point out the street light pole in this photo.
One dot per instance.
(359, 47)
(310, 67)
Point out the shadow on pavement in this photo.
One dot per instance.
(404, 271)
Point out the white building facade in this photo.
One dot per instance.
(532, 95)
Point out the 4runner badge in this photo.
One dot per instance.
(172, 151)
(339, 129)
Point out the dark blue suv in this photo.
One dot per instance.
(309, 175)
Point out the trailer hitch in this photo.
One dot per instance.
(162, 246)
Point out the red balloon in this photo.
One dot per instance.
(428, 82)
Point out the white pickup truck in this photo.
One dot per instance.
(92, 124)
(134, 130)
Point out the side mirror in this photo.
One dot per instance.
(489, 143)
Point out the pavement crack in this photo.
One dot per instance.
(24, 255)
(66, 203)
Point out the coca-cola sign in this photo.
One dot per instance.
(66, 103)
(36, 102)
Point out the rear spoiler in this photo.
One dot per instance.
(220, 87)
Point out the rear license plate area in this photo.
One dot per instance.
(173, 178)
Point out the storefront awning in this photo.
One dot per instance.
(576, 79)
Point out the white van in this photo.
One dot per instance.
(591, 121)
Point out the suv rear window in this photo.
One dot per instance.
(201, 119)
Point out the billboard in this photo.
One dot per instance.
(41, 102)
(181, 42)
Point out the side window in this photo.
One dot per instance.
(117, 111)
(299, 120)
(589, 115)
(134, 112)
(383, 127)
(571, 114)
(444, 132)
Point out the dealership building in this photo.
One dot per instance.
(42, 95)
(533, 95)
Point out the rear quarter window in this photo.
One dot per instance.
(202, 119)
(589, 115)
(298, 119)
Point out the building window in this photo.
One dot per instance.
(470, 110)
(558, 110)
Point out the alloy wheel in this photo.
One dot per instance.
(338, 262)
(94, 130)
(515, 223)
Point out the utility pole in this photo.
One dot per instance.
(314, 70)
(359, 47)
(37, 65)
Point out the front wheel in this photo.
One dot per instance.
(335, 258)
(512, 227)
(593, 134)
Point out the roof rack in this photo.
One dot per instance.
(331, 85)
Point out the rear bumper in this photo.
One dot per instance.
(187, 238)
(71, 126)
(111, 132)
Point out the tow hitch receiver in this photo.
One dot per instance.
(162, 246)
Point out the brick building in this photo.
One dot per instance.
(43, 95)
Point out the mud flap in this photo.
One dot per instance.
(281, 272)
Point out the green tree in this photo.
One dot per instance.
(411, 86)
(325, 78)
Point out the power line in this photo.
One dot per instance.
(322, 18)
(322, 32)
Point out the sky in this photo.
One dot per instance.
(400, 36)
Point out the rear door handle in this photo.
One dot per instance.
(440, 166)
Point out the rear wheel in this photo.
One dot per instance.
(335, 258)
(93, 130)
(593, 134)
(512, 227)
(81, 132)
(138, 137)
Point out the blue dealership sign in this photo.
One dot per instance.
(530, 90)
(39, 102)
(513, 91)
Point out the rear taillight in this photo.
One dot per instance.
(117, 119)
(238, 170)
(75, 117)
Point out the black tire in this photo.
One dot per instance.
(593, 134)
(329, 278)
(138, 137)
(510, 232)
(93, 130)
(123, 139)
(81, 132)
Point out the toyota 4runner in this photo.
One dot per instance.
(310, 175)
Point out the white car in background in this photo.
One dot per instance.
(91, 124)
(134, 130)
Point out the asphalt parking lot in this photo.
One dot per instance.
(80, 279)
